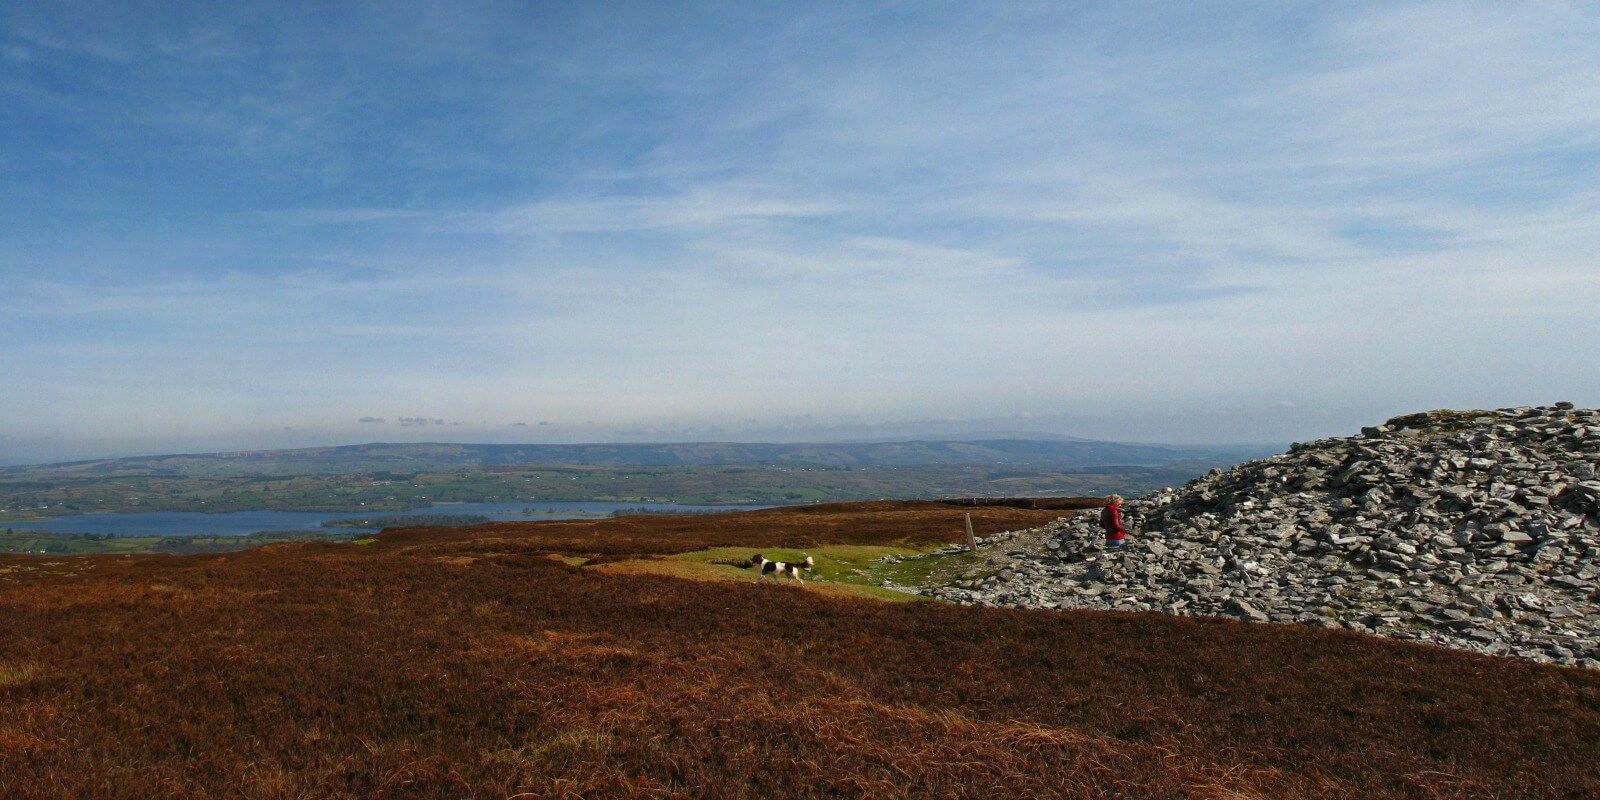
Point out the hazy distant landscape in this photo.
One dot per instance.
(391, 477)
(1060, 452)
(202, 532)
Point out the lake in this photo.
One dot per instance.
(244, 523)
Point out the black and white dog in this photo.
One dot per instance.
(776, 568)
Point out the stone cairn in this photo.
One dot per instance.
(1470, 529)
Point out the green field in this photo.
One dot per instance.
(32, 493)
(35, 543)
(33, 497)
(862, 568)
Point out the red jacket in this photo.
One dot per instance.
(1111, 520)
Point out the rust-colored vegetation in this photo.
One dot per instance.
(450, 664)
(886, 522)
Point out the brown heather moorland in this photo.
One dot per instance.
(476, 663)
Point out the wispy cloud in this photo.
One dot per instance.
(658, 222)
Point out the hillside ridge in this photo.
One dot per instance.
(520, 660)
(1473, 529)
(430, 456)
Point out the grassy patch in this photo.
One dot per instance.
(16, 674)
(861, 564)
(840, 569)
(929, 569)
(838, 562)
(688, 568)
(562, 751)
(856, 569)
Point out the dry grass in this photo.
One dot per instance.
(707, 571)
(876, 523)
(16, 674)
(315, 671)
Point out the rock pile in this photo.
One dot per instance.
(1470, 529)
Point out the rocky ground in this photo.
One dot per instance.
(1475, 530)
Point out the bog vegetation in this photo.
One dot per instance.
(513, 659)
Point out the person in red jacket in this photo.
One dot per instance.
(1111, 521)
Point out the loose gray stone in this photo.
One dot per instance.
(1476, 529)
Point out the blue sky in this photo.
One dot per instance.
(1184, 222)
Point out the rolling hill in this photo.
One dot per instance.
(1056, 453)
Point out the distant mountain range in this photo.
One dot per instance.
(1054, 453)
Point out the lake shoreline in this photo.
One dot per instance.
(197, 531)
(241, 523)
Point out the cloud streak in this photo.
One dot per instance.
(1288, 223)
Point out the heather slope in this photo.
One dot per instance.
(478, 664)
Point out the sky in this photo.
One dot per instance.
(279, 224)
